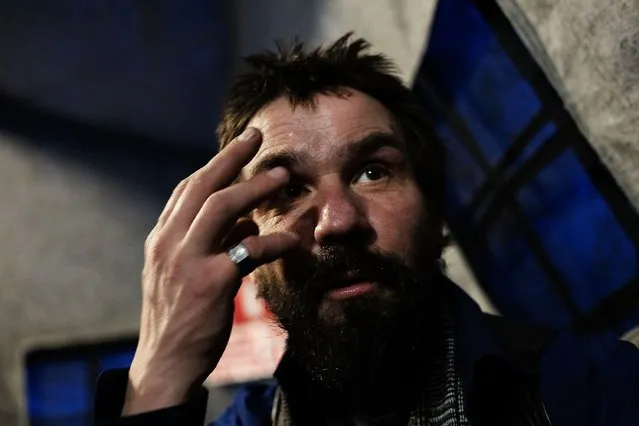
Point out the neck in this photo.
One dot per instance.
(376, 388)
(391, 395)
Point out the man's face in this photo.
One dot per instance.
(354, 202)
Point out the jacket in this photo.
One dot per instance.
(512, 375)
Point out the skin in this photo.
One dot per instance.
(337, 193)
(188, 281)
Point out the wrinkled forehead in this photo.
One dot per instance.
(319, 131)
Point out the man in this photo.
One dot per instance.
(328, 188)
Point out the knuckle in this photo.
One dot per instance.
(151, 242)
(218, 203)
(254, 247)
(214, 200)
(196, 180)
(157, 245)
(181, 185)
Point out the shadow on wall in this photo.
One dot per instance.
(260, 24)
(156, 68)
(146, 165)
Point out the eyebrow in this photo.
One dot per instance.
(286, 159)
(369, 144)
(365, 146)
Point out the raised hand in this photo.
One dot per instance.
(189, 281)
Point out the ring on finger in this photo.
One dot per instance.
(240, 255)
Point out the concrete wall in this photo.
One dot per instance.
(72, 226)
(74, 215)
(397, 28)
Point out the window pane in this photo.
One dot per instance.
(470, 67)
(579, 231)
(515, 280)
(546, 132)
(117, 358)
(463, 174)
(57, 391)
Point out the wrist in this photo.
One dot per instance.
(154, 388)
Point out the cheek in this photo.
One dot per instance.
(301, 224)
(268, 278)
(396, 220)
(267, 224)
(276, 272)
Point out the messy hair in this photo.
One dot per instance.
(300, 74)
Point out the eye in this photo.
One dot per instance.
(293, 191)
(290, 193)
(371, 173)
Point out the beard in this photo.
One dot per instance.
(356, 345)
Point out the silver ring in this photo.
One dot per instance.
(238, 254)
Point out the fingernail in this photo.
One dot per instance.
(278, 173)
(249, 134)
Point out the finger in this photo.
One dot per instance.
(223, 208)
(262, 249)
(243, 228)
(170, 205)
(220, 172)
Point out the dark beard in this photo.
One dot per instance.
(380, 339)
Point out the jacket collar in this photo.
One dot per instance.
(476, 339)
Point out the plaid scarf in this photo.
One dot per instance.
(441, 402)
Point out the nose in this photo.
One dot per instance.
(341, 215)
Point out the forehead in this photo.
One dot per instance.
(333, 122)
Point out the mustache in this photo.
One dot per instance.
(328, 269)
